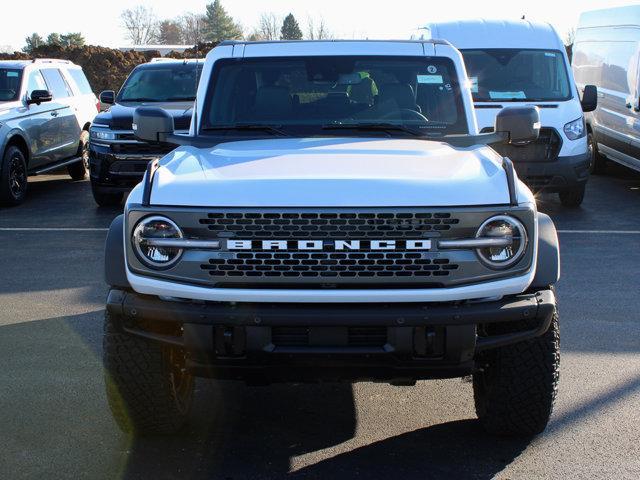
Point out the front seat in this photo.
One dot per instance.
(397, 96)
(272, 102)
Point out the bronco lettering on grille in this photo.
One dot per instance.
(331, 245)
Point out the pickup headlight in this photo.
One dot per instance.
(153, 242)
(575, 129)
(102, 134)
(511, 241)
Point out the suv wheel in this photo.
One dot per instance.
(13, 177)
(573, 197)
(516, 388)
(598, 164)
(148, 388)
(106, 199)
(79, 170)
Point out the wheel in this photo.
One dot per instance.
(79, 170)
(148, 388)
(13, 177)
(106, 199)
(515, 390)
(598, 163)
(572, 197)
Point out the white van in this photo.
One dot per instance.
(514, 63)
(606, 52)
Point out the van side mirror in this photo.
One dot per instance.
(39, 96)
(108, 97)
(520, 124)
(152, 124)
(589, 100)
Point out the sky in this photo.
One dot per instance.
(395, 19)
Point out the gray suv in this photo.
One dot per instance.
(46, 108)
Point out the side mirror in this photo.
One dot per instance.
(39, 96)
(108, 97)
(152, 124)
(521, 124)
(589, 100)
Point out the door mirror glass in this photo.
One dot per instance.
(152, 124)
(39, 96)
(589, 100)
(108, 97)
(521, 124)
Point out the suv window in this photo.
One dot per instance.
(81, 81)
(36, 82)
(169, 83)
(57, 84)
(9, 84)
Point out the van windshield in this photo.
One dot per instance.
(9, 84)
(335, 95)
(516, 75)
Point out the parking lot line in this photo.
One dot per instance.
(610, 232)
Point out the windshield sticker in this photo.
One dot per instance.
(432, 69)
(12, 74)
(434, 79)
(473, 84)
(507, 95)
(549, 54)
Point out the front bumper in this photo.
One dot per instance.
(401, 343)
(564, 173)
(111, 171)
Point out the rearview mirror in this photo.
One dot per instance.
(589, 100)
(108, 97)
(152, 124)
(39, 96)
(521, 124)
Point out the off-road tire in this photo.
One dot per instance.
(13, 177)
(79, 170)
(144, 396)
(515, 391)
(106, 199)
(598, 163)
(574, 197)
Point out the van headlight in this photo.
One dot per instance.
(575, 129)
(153, 242)
(511, 241)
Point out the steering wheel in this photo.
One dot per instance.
(399, 113)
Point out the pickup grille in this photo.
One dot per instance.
(350, 336)
(329, 225)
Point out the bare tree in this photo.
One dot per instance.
(269, 26)
(192, 26)
(570, 36)
(140, 24)
(317, 29)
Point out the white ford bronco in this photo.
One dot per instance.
(332, 215)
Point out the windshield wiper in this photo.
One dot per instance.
(180, 99)
(275, 129)
(140, 99)
(383, 127)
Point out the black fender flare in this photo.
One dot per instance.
(115, 270)
(548, 263)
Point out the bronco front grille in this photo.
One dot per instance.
(329, 225)
(328, 265)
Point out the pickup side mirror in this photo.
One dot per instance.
(589, 100)
(152, 124)
(39, 96)
(108, 97)
(521, 124)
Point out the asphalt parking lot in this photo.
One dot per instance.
(55, 423)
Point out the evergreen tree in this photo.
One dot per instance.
(72, 40)
(219, 25)
(54, 40)
(169, 33)
(33, 41)
(290, 29)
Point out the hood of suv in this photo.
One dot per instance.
(335, 172)
(120, 115)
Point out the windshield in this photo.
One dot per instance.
(9, 84)
(173, 82)
(330, 95)
(503, 75)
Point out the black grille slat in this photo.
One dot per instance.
(545, 149)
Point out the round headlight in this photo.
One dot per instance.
(508, 251)
(152, 242)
